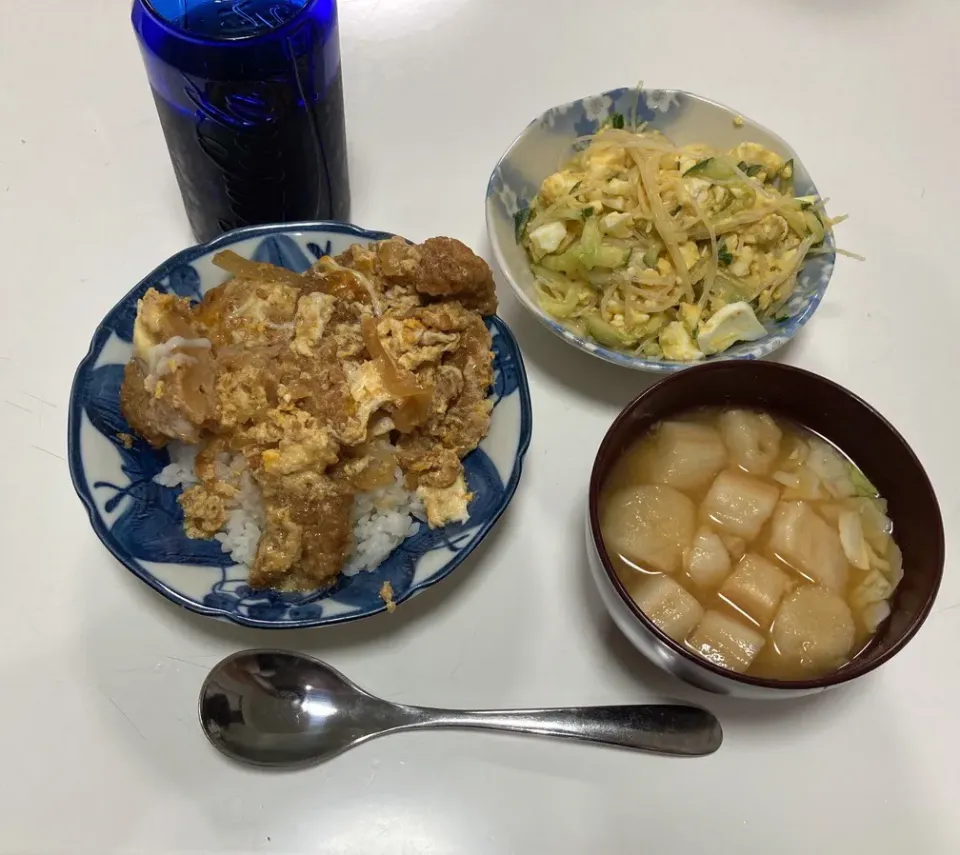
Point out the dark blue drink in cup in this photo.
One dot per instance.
(250, 97)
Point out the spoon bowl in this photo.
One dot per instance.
(273, 708)
(282, 709)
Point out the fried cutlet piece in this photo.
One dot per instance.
(168, 389)
(327, 534)
(161, 317)
(399, 261)
(253, 381)
(139, 407)
(413, 343)
(452, 271)
(459, 415)
(351, 277)
(464, 420)
(308, 531)
(370, 396)
(399, 268)
(279, 548)
(446, 381)
(440, 268)
(317, 384)
(288, 439)
(363, 258)
(243, 392)
(355, 297)
(248, 312)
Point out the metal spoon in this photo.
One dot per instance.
(275, 708)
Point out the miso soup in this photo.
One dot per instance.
(752, 541)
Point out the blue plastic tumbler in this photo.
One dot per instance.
(250, 97)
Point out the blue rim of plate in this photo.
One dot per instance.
(187, 256)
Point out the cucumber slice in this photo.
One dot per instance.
(607, 334)
(712, 167)
(786, 178)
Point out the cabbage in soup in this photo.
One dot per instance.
(752, 541)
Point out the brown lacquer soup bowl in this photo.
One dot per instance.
(836, 415)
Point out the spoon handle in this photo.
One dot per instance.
(660, 728)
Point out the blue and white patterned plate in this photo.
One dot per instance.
(141, 523)
(550, 139)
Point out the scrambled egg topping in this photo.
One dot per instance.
(313, 314)
(318, 386)
(446, 504)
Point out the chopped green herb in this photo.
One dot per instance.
(587, 212)
(616, 121)
(520, 220)
(724, 256)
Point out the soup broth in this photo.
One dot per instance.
(752, 541)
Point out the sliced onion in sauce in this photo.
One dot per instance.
(414, 398)
(239, 266)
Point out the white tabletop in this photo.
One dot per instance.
(99, 740)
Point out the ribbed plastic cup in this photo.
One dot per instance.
(250, 98)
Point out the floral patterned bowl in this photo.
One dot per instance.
(551, 138)
(141, 523)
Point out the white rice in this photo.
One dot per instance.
(382, 518)
(180, 471)
(245, 521)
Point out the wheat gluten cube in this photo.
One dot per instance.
(683, 455)
(707, 561)
(810, 544)
(756, 587)
(726, 642)
(739, 504)
(667, 603)
(814, 629)
(649, 526)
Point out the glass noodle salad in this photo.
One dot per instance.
(669, 252)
